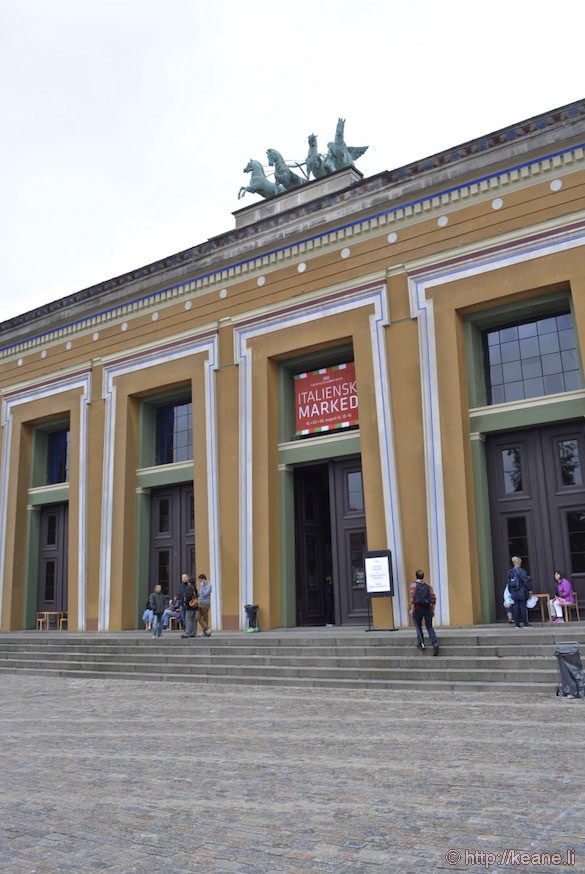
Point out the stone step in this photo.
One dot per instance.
(458, 646)
(542, 686)
(415, 672)
(470, 659)
(403, 659)
(173, 646)
(171, 656)
(537, 636)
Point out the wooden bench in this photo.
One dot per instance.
(44, 618)
(543, 599)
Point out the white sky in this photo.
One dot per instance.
(127, 123)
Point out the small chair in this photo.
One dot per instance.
(568, 607)
(42, 622)
(172, 621)
(62, 621)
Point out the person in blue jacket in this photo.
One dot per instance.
(520, 590)
(204, 604)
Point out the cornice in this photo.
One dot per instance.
(440, 202)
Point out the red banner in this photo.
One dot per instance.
(326, 399)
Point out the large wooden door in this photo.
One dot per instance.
(172, 536)
(53, 553)
(330, 536)
(537, 503)
(349, 541)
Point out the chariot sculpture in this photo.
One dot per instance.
(315, 166)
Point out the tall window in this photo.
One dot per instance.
(57, 457)
(174, 433)
(531, 359)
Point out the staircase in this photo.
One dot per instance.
(480, 658)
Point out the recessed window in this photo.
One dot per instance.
(164, 569)
(576, 530)
(174, 433)
(512, 469)
(57, 457)
(518, 539)
(50, 580)
(164, 516)
(531, 359)
(355, 491)
(570, 463)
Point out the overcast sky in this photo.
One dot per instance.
(127, 123)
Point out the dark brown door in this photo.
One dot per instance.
(53, 552)
(537, 502)
(349, 541)
(330, 540)
(172, 540)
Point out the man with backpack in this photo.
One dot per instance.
(422, 606)
(520, 589)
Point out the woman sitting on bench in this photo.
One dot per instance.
(564, 595)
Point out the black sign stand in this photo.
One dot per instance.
(379, 580)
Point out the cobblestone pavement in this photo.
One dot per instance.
(141, 777)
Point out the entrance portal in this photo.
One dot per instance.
(537, 501)
(330, 529)
(172, 536)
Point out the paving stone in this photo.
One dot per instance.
(140, 776)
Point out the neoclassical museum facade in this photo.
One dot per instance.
(384, 363)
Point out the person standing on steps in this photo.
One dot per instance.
(422, 606)
(204, 604)
(190, 602)
(184, 582)
(158, 604)
(520, 590)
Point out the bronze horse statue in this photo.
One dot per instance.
(339, 156)
(259, 184)
(314, 163)
(283, 175)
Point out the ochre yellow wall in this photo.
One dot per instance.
(25, 416)
(420, 243)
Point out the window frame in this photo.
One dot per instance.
(521, 362)
(528, 309)
(148, 446)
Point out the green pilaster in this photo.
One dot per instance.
(141, 587)
(287, 547)
(31, 566)
(483, 527)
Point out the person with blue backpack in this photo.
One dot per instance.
(520, 590)
(422, 606)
